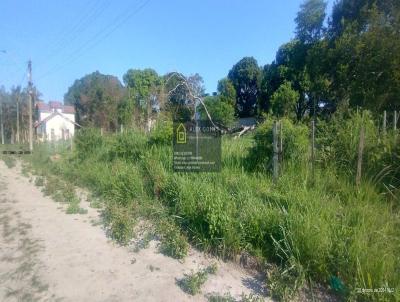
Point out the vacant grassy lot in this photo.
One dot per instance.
(325, 230)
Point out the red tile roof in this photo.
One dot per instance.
(68, 109)
(43, 107)
(55, 105)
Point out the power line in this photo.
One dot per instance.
(83, 23)
(99, 37)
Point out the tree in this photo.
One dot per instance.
(283, 101)
(227, 91)
(245, 77)
(10, 103)
(310, 20)
(356, 13)
(365, 54)
(270, 82)
(291, 65)
(182, 93)
(221, 112)
(96, 98)
(144, 89)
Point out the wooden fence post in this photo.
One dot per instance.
(395, 121)
(313, 150)
(280, 141)
(384, 122)
(360, 155)
(275, 156)
(101, 131)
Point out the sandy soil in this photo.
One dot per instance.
(47, 255)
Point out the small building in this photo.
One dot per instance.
(54, 121)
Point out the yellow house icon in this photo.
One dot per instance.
(181, 134)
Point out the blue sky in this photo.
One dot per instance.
(69, 39)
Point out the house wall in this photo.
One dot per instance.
(57, 123)
(43, 115)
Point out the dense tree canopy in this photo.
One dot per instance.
(284, 99)
(227, 91)
(96, 98)
(245, 77)
(221, 111)
(310, 20)
(15, 126)
(144, 89)
(353, 62)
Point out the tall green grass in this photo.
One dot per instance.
(323, 230)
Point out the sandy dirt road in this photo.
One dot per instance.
(47, 255)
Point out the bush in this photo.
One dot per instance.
(162, 133)
(120, 221)
(295, 144)
(338, 141)
(8, 160)
(283, 101)
(126, 187)
(193, 282)
(87, 140)
(130, 145)
(173, 243)
(220, 111)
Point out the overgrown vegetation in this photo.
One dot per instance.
(193, 282)
(228, 298)
(326, 229)
(8, 160)
(59, 190)
(310, 226)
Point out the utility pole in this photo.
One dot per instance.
(17, 136)
(30, 92)
(1, 122)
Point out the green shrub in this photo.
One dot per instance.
(126, 187)
(220, 111)
(162, 133)
(205, 210)
(74, 208)
(192, 283)
(283, 101)
(130, 145)
(51, 186)
(173, 243)
(8, 160)
(87, 140)
(120, 221)
(338, 141)
(39, 181)
(295, 144)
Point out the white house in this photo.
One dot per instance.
(55, 121)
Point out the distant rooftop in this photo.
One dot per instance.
(53, 105)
